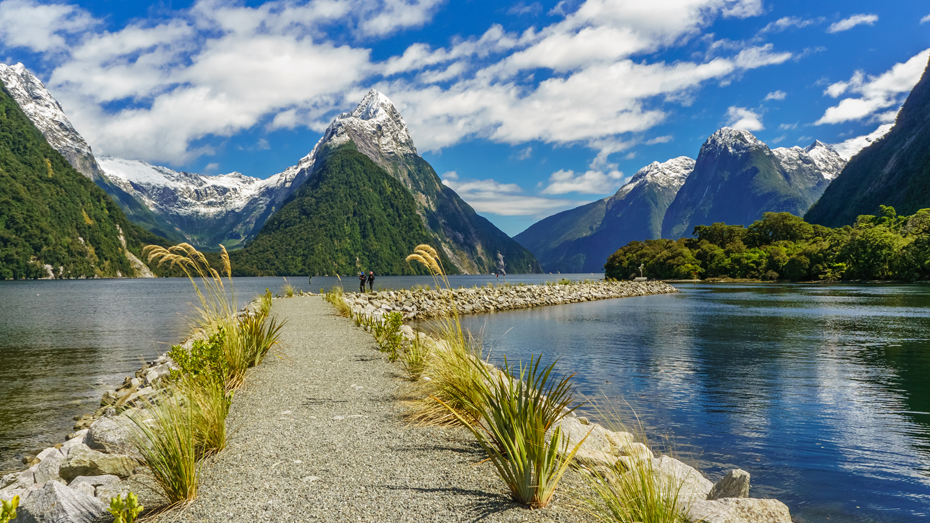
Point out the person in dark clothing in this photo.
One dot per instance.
(371, 280)
(361, 282)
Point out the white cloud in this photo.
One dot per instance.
(393, 15)
(41, 28)
(925, 19)
(744, 119)
(523, 154)
(776, 95)
(854, 20)
(504, 199)
(660, 139)
(520, 9)
(787, 126)
(876, 93)
(589, 182)
(787, 22)
(851, 147)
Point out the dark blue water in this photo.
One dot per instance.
(821, 392)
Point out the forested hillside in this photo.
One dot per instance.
(52, 215)
(349, 208)
(784, 246)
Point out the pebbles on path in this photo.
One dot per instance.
(317, 434)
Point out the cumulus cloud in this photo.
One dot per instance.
(41, 27)
(776, 95)
(589, 182)
(925, 19)
(854, 20)
(504, 199)
(875, 93)
(744, 119)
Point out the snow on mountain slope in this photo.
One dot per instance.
(818, 157)
(668, 174)
(48, 116)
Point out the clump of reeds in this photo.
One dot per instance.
(288, 289)
(450, 366)
(191, 423)
(415, 356)
(168, 444)
(511, 427)
(336, 299)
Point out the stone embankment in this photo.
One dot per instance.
(74, 481)
(424, 304)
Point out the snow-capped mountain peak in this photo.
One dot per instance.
(734, 141)
(669, 174)
(375, 124)
(48, 116)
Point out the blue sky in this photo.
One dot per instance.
(525, 108)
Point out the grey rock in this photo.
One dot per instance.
(759, 510)
(575, 431)
(711, 511)
(71, 443)
(8, 493)
(83, 461)
(8, 479)
(103, 488)
(51, 451)
(48, 469)
(56, 503)
(78, 434)
(734, 485)
(112, 435)
(687, 481)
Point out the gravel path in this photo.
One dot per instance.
(318, 435)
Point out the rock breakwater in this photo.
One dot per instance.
(425, 304)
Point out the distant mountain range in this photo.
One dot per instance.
(893, 171)
(231, 209)
(581, 239)
(735, 179)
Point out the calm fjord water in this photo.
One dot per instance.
(821, 392)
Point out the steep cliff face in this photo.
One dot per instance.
(894, 170)
(581, 239)
(737, 177)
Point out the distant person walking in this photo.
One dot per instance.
(371, 280)
(361, 282)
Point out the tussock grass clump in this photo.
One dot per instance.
(209, 402)
(451, 366)
(265, 303)
(288, 289)
(512, 428)
(415, 357)
(633, 491)
(168, 444)
(335, 298)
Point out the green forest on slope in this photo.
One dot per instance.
(51, 214)
(782, 246)
(349, 208)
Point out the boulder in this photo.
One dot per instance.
(103, 488)
(711, 511)
(56, 503)
(594, 458)
(83, 461)
(734, 485)
(73, 442)
(48, 469)
(156, 374)
(112, 435)
(759, 510)
(575, 431)
(673, 475)
(51, 451)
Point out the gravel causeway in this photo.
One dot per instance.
(317, 434)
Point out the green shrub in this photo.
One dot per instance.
(415, 357)
(388, 334)
(125, 511)
(206, 359)
(8, 509)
